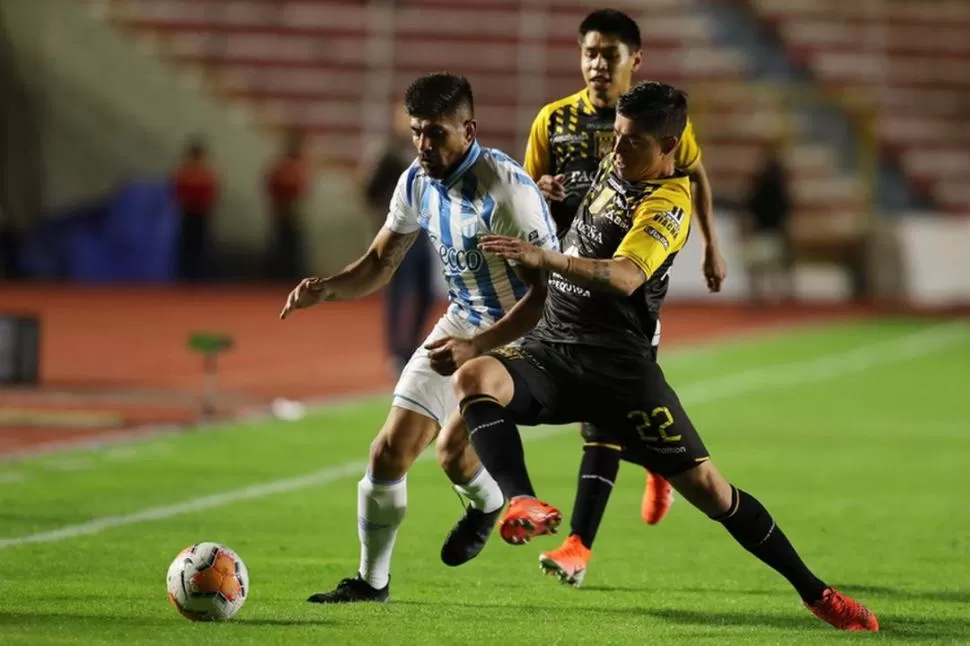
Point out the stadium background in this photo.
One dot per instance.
(99, 97)
(844, 394)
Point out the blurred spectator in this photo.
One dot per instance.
(10, 240)
(286, 186)
(768, 248)
(196, 191)
(410, 293)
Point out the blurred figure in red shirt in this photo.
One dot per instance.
(196, 191)
(286, 185)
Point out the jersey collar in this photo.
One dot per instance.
(474, 152)
(587, 103)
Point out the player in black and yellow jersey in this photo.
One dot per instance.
(588, 358)
(568, 139)
(570, 136)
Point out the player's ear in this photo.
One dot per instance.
(637, 60)
(471, 130)
(668, 144)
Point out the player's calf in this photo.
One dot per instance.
(598, 471)
(382, 504)
(402, 439)
(454, 451)
(472, 483)
(750, 524)
(484, 387)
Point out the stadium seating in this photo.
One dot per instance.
(333, 67)
(906, 61)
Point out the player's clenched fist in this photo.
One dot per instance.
(448, 354)
(307, 294)
(553, 188)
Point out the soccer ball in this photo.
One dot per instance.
(208, 582)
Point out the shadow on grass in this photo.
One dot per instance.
(43, 620)
(947, 596)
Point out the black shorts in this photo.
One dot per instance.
(624, 399)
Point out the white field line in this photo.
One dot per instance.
(141, 434)
(919, 344)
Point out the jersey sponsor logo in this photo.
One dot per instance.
(578, 182)
(557, 282)
(456, 260)
(665, 450)
(670, 220)
(588, 232)
(659, 237)
(461, 259)
(566, 138)
(616, 185)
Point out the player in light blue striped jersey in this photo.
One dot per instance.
(456, 190)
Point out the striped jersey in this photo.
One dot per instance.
(489, 192)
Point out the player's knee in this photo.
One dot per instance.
(590, 433)
(395, 449)
(483, 376)
(470, 379)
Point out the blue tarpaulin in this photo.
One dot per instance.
(132, 236)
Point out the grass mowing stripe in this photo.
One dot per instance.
(921, 343)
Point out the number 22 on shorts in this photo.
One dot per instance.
(654, 433)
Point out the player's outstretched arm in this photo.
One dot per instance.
(617, 275)
(364, 276)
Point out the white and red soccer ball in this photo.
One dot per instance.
(208, 582)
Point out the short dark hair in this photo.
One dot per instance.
(439, 94)
(659, 108)
(613, 23)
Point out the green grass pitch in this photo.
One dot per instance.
(856, 437)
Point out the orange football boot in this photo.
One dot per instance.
(657, 497)
(568, 562)
(527, 518)
(844, 613)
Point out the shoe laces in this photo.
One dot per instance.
(839, 607)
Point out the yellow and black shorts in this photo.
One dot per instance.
(622, 398)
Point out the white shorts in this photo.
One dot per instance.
(421, 389)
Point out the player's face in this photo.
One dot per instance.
(637, 154)
(441, 142)
(608, 66)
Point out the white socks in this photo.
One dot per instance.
(482, 492)
(380, 511)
